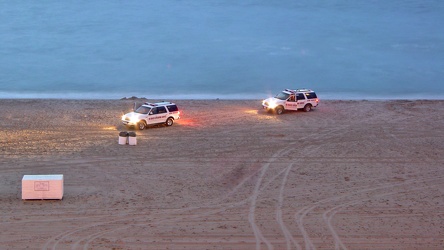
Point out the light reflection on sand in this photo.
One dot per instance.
(188, 122)
(261, 115)
(109, 128)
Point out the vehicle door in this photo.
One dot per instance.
(300, 100)
(291, 104)
(162, 113)
(153, 116)
(157, 115)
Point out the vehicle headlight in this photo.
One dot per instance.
(134, 120)
(272, 105)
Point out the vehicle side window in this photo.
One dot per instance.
(172, 108)
(300, 96)
(161, 110)
(311, 95)
(142, 110)
(153, 111)
(282, 96)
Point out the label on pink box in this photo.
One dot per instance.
(41, 185)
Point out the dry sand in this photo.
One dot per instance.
(348, 175)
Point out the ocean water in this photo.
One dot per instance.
(363, 49)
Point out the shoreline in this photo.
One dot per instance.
(254, 96)
(202, 99)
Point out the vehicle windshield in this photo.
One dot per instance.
(282, 96)
(142, 110)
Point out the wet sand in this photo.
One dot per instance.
(227, 175)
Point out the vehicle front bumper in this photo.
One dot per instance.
(266, 105)
(129, 123)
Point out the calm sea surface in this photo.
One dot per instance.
(360, 49)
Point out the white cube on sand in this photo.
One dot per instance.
(41, 187)
(123, 138)
(132, 139)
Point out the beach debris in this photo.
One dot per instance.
(133, 98)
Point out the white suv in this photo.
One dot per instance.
(152, 113)
(289, 99)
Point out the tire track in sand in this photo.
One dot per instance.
(225, 206)
(251, 217)
(302, 213)
(287, 234)
(252, 211)
(329, 214)
(104, 227)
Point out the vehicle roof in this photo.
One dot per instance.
(151, 105)
(294, 91)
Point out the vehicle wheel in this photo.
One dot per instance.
(141, 125)
(169, 121)
(279, 110)
(307, 107)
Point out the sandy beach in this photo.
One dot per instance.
(227, 175)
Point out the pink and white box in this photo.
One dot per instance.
(42, 187)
